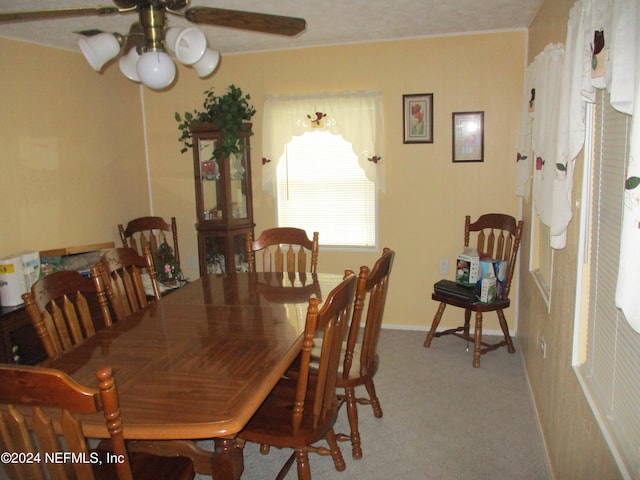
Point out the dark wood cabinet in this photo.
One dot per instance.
(20, 344)
(224, 205)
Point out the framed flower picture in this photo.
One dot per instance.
(468, 136)
(418, 117)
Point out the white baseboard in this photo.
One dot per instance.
(418, 328)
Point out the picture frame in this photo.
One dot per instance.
(418, 117)
(468, 136)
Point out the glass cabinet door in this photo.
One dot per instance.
(225, 252)
(237, 173)
(215, 255)
(240, 261)
(210, 179)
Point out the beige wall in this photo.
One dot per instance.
(71, 156)
(574, 441)
(427, 196)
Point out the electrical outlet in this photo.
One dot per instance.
(543, 347)
(444, 267)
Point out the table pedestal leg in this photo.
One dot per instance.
(224, 463)
(227, 462)
(170, 448)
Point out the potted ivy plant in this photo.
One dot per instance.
(229, 113)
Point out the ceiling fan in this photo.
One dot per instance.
(150, 35)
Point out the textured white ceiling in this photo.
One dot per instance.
(329, 22)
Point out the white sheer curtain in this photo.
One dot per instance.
(576, 89)
(357, 116)
(545, 76)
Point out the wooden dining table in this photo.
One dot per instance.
(198, 363)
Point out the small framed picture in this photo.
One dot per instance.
(468, 136)
(418, 118)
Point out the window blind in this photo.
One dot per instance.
(322, 188)
(611, 370)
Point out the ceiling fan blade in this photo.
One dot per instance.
(89, 33)
(31, 15)
(258, 22)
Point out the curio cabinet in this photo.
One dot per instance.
(224, 206)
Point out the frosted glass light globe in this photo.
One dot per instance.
(99, 49)
(156, 70)
(208, 63)
(129, 65)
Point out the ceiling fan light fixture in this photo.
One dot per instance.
(208, 63)
(190, 45)
(128, 65)
(99, 49)
(156, 69)
(170, 37)
(150, 34)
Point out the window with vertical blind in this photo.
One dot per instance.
(606, 348)
(322, 188)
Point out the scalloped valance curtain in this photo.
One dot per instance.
(357, 116)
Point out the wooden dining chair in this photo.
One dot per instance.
(40, 428)
(497, 237)
(360, 357)
(283, 249)
(125, 273)
(65, 308)
(153, 231)
(301, 411)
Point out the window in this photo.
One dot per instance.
(538, 160)
(324, 163)
(606, 348)
(541, 257)
(321, 187)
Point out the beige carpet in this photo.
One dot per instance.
(442, 419)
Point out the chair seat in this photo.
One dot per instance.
(473, 306)
(267, 425)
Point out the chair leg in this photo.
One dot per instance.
(352, 414)
(505, 331)
(467, 321)
(302, 460)
(373, 398)
(434, 324)
(336, 453)
(478, 340)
